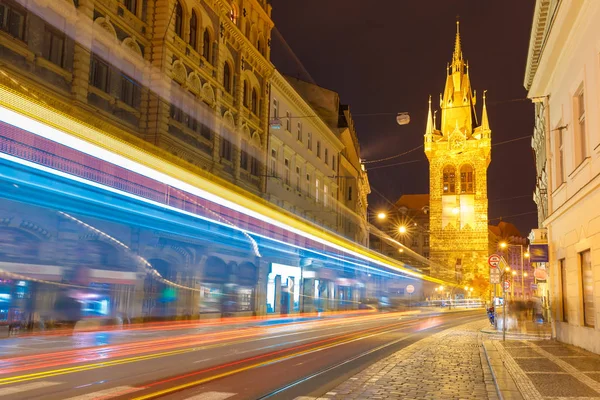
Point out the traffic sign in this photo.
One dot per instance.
(494, 260)
(506, 285)
(410, 289)
(494, 275)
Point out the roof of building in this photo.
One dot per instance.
(504, 230)
(413, 201)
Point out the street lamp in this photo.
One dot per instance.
(402, 229)
(524, 254)
(381, 216)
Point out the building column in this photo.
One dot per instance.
(277, 301)
(81, 54)
(308, 295)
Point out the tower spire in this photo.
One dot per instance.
(429, 129)
(457, 58)
(485, 125)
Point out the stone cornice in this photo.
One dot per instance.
(536, 40)
(278, 81)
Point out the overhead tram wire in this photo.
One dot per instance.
(418, 147)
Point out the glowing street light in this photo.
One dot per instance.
(526, 255)
(507, 269)
(503, 245)
(525, 274)
(402, 229)
(401, 250)
(381, 216)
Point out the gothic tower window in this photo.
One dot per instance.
(449, 180)
(178, 19)
(467, 179)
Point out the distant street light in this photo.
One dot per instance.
(381, 215)
(503, 245)
(402, 229)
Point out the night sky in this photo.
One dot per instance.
(388, 56)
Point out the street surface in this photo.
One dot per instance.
(278, 358)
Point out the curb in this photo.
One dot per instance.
(506, 387)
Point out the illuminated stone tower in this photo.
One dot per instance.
(459, 154)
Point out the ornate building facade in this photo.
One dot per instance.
(459, 155)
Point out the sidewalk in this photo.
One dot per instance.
(543, 370)
(447, 365)
(519, 330)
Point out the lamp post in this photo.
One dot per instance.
(504, 245)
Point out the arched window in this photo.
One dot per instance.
(227, 77)
(259, 46)
(178, 19)
(467, 179)
(254, 101)
(449, 180)
(206, 45)
(194, 30)
(245, 94)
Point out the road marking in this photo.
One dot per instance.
(27, 387)
(107, 393)
(212, 396)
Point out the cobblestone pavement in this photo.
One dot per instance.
(447, 365)
(550, 370)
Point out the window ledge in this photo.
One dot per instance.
(581, 166)
(124, 106)
(559, 188)
(16, 45)
(49, 65)
(101, 93)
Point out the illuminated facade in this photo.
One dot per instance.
(562, 78)
(459, 155)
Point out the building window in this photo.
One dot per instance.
(286, 164)
(254, 166)
(415, 241)
(317, 189)
(245, 94)
(333, 162)
(275, 109)
(206, 45)
(254, 101)
(131, 6)
(259, 46)
(308, 184)
(325, 195)
(299, 132)
(99, 73)
(563, 290)
(232, 14)
(274, 162)
(587, 281)
(309, 142)
(194, 30)
(12, 20)
(318, 148)
(426, 241)
(54, 46)
(326, 157)
(288, 121)
(176, 114)
(227, 77)
(449, 177)
(298, 188)
(130, 92)
(466, 179)
(426, 254)
(225, 150)
(349, 193)
(581, 141)
(178, 20)
(560, 163)
(244, 156)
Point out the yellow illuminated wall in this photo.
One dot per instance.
(459, 155)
